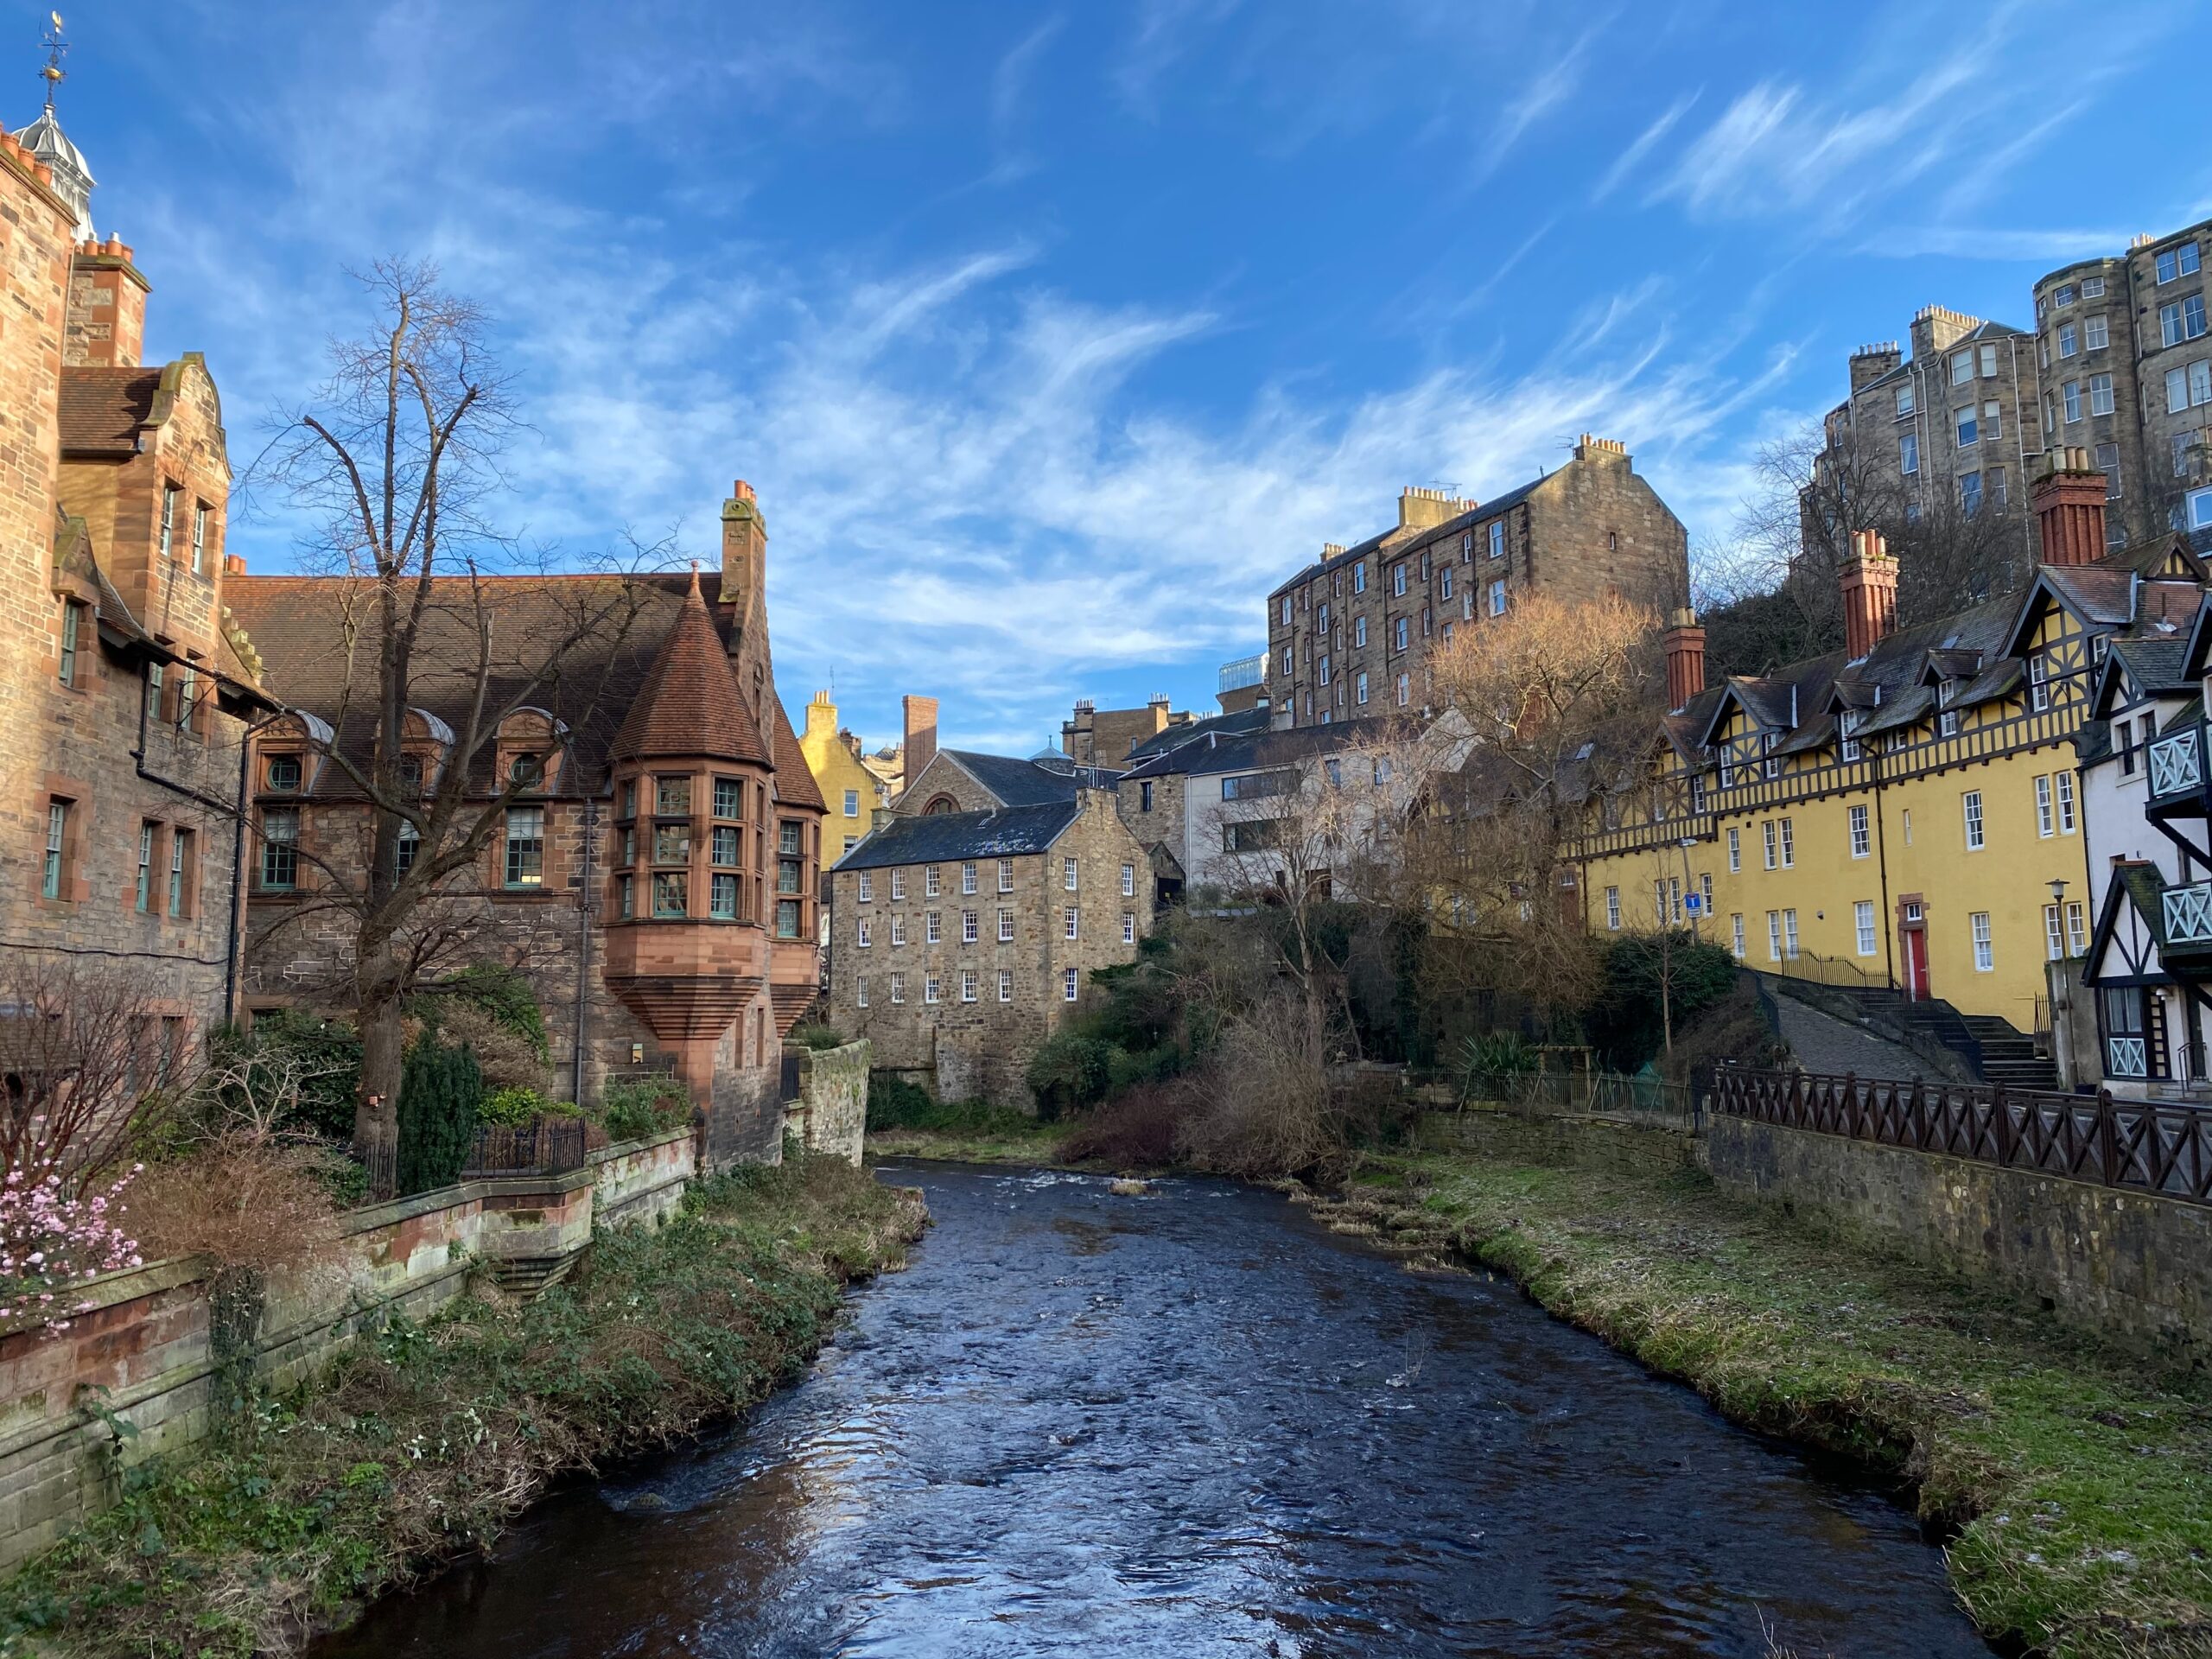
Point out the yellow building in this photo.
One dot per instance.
(1896, 812)
(852, 791)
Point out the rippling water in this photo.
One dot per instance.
(1193, 1423)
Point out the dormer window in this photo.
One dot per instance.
(410, 775)
(2038, 684)
(1847, 724)
(1766, 748)
(526, 770)
(281, 776)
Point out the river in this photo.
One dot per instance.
(1195, 1423)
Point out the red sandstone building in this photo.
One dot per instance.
(124, 690)
(654, 869)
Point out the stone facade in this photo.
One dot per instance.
(2093, 373)
(963, 1014)
(123, 692)
(1349, 637)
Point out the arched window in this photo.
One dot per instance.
(941, 804)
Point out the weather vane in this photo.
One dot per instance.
(56, 48)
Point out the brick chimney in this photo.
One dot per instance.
(745, 596)
(2070, 504)
(1685, 642)
(921, 734)
(1869, 581)
(106, 326)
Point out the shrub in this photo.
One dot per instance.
(244, 1202)
(817, 1035)
(507, 1058)
(438, 1096)
(1128, 1069)
(894, 1103)
(1625, 1023)
(511, 1108)
(634, 1108)
(505, 997)
(293, 1071)
(1264, 1112)
(1135, 1130)
(1070, 1072)
(53, 1238)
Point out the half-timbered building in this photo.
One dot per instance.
(1907, 811)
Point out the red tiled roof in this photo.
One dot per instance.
(689, 703)
(795, 784)
(103, 408)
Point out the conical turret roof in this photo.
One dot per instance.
(691, 704)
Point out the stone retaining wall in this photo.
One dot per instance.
(144, 1350)
(830, 1114)
(2125, 1264)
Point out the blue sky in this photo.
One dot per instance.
(1051, 338)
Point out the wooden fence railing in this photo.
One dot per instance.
(2145, 1145)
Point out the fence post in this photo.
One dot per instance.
(2005, 1141)
(1916, 1114)
(1851, 1120)
(2108, 1140)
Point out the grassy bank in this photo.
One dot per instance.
(424, 1442)
(2079, 1481)
(967, 1132)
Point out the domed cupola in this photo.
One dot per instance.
(73, 178)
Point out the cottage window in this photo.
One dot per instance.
(968, 978)
(929, 882)
(1069, 985)
(2065, 803)
(1128, 927)
(968, 876)
(1862, 839)
(1973, 803)
(1006, 875)
(1862, 920)
(1985, 960)
(1128, 881)
(898, 987)
(1068, 874)
(1071, 920)
(933, 929)
(1006, 986)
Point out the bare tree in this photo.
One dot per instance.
(87, 1059)
(1560, 699)
(397, 462)
(1771, 595)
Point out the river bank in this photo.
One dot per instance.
(421, 1444)
(2075, 1482)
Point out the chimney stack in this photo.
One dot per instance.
(1685, 642)
(2070, 504)
(921, 734)
(106, 321)
(1869, 581)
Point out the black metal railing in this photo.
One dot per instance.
(2144, 1145)
(1813, 970)
(551, 1146)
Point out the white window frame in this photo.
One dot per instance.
(1006, 875)
(1790, 942)
(863, 934)
(968, 985)
(898, 987)
(1614, 910)
(1069, 875)
(1005, 985)
(1498, 539)
(1128, 927)
(1735, 851)
(932, 988)
(1788, 844)
(1736, 926)
(1766, 833)
(1774, 936)
(1862, 922)
(868, 887)
(968, 876)
(1985, 949)
(2046, 818)
(1862, 838)
(2054, 934)
(2068, 820)
(1070, 984)
(1977, 829)
(1071, 921)
(1006, 927)
(970, 927)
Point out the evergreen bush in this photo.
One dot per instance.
(1070, 1072)
(438, 1096)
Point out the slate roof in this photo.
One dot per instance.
(298, 624)
(1246, 751)
(1019, 782)
(1452, 526)
(104, 409)
(949, 837)
(1249, 720)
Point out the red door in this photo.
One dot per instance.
(1912, 935)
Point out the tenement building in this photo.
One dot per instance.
(2118, 365)
(1348, 637)
(962, 939)
(1908, 811)
(652, 834)
(124, 689)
